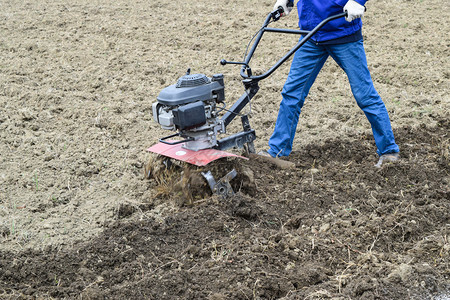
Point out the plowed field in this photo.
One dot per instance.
(79, 220)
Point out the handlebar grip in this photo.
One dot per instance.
(346, 12)
(276, 14)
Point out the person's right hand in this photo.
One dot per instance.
(354, 10)
(285, 4)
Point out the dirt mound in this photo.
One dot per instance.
(335, 227)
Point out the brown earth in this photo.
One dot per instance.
(79, 220)
(334, 227)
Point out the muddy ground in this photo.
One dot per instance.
(78, 219)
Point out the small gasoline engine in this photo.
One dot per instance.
(191, 107)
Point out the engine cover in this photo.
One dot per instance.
(190, 115)
(190, 107)
(192, 88)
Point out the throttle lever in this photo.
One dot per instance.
(277, 14)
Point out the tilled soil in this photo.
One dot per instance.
(333, 227)
(78, 219)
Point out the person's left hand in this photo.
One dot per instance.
(285, 4)
(354, 10)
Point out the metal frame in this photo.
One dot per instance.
(308, 35)
(251, 82)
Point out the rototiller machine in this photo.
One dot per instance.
(194, 108)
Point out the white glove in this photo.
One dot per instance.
(354, 10)
(284, 4)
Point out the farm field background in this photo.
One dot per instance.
(78, 218)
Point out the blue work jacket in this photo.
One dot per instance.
(312, 12)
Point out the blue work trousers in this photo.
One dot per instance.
(307, 63)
